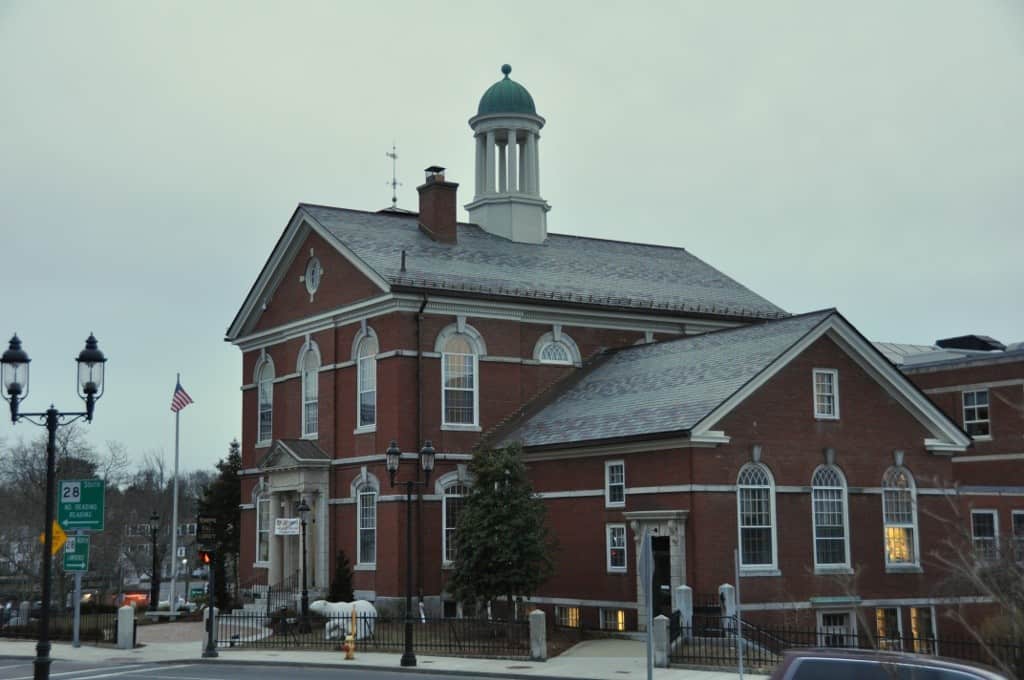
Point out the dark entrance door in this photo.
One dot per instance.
(662, 579)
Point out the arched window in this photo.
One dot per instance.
(555, 353)
(265, 389)
(367, 358)
(755, 499)
(899, 517)
(556, 347)
(828, 501)
(310, 369)
(366, 503)
(459, 379)
(454, 499)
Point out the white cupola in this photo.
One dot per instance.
(507, 201)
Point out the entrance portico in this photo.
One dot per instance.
(668, 539)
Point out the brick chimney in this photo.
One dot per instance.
(437, 206)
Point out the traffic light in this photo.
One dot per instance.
(205, 557)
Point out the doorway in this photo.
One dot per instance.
(661, 581)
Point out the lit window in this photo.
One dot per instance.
(613, 619)
(828, 499)
(367, 513)
(888, 631)
(985, 534)
(567, 617)
(615, 483)
(367, 357)
(922, 630)
(459, 379)
(826, 393)
(616, 537)
(899, 515)
(310, 391)
(755, 497)
(263, 528)
(265, 389)
(555, 353)
(454, 500)
(976, 421)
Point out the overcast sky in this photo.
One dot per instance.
(862, 155)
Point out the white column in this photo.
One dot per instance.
(480, 154)
(274, 573)
(502, 169)
(530, 164)
(513, 168)
(536, 165)
(489, 161)
(521, 180)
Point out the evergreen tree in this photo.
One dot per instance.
(503, 544)
(341, 584)
(221, 500)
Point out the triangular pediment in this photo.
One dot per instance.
(293, 453)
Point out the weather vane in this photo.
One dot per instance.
(394, 183)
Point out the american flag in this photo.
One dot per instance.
(180, 399)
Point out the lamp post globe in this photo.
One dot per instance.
(14, 375)
(91, 363)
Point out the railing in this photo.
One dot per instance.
(763, 646)
(94, 628)
(272, 597)
(443, 637)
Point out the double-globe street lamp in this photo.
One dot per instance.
(154, 579)
(302, 508)
(14, 380)
(393, 457)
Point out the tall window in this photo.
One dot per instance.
(454, 499)
(459, 377)
(616, 538)
(922, 629)
(888, 629)
(263, 528)
(976, 413)
(367, 512)
(614, 483)
(826, 393)
(755, 497)
(899, 515)
(985, 534)
(828, 498)
(368, 349)
(265, 388)
(310, 391)
(1018, 536)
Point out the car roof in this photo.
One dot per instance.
(886, 656)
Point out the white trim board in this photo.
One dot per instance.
(988, 458)
(973, 386)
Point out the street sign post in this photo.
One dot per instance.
(76, 553)
(80, 504)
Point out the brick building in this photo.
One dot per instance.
(649, 391)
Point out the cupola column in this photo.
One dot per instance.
(489, 161)
(513, 169)
(530, 164)
(481, 154)
(502, 169)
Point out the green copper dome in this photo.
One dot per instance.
(506, 96)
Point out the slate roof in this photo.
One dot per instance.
(570, 269)
(661, 387)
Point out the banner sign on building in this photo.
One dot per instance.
(287, 526)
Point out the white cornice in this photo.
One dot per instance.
(612, 449)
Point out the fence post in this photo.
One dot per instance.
(684, 604)
(538, 636)
(661, 641)
(24, 613)
(727, 595)
(125, 627)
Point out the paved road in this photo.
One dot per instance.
(18, 669)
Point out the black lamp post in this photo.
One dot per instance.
(393, 457)
(154, 580)
(14, 378)
(303, 509)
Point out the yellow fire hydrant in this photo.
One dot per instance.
(350, 639)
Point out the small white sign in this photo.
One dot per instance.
(70, 492)
(287, 526)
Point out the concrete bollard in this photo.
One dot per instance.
(125, 627)
(684, 605)
(661, 641)
(538, 636)
(727, 596)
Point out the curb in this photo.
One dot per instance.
(378, 668)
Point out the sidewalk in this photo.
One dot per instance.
(589, 660)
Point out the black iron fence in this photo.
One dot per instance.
(715, 642)
(94, 628)
(431, 636)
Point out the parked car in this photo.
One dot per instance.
(835, 663)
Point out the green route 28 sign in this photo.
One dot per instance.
(80, 504)
(76, 553)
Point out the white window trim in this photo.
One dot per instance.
(898, 640)
(310, 346)
(260, 367)
(475, 425)
(366, 487)
(758, 569)
(914, 566)
(445, 562)
(603, 614)
(608, 548)
(835, 393)
(935, 629)
(988, 407)
(565, 608)
(370, 427)
(836, 566)
(851, 628)
(608, 503)
(560, 337)
(262, 498)
(995, 529)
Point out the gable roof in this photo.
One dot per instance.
(687, 385)
(294, 453)
(566, 269)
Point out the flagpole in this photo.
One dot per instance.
(174, 515)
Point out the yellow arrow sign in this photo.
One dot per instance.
(59, 538)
